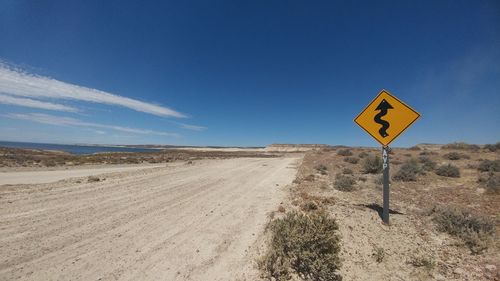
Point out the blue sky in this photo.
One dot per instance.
(245, 73)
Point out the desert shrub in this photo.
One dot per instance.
(428, 153)
(476, 231)
(492, 147)
(461, 146)
(489, 166)
(309, 206)
(379, 254)
(344, 152)
(306, 244)
(455, 156)
(93, 179)
(448, 170)
(322, 169)
(362, 154)
(415, 148)
(427, 163)
(352, 160)
(347, 171)
(310, 177)
(344, 182)
(426, 262)
(372, 164)
(492, 182)
(408, 171)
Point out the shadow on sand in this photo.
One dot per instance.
(379, 209)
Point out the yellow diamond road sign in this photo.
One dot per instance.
(386, 117)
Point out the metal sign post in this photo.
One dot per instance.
(385, 171)
(385, 118)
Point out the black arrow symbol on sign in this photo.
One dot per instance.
(383, 107)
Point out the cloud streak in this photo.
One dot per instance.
(193, 127)
(21, 84)
(68, 121)
(5, 99)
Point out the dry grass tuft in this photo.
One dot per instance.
(372, 164)
(306, 245)
(352, 160)
(448, 170)
(344, 182)
(344, 152)
(409, 171)
(476, 231)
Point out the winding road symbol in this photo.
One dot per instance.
(383, 107)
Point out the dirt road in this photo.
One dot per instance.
(188, 222)
(32, 177)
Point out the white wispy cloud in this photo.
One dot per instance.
(68, 121)
(18, 83)
(192, 127)
(6, 99)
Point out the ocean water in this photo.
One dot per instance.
(74, 149)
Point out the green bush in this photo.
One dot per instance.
(352, 160)
(306, 244)
(427, 163)
(489, 166)
(474, 230)
(448, 171)
(408, 171)
(344, 182)
(344, 152)
(372, 164)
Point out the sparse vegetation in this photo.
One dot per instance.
(476, 231)
(322, 169)
(409, 171)
(362, 154)
(489, 166)
(422, 261)
(93, 179)
(491, 181)
(492, 147)
(17, 157)
(309, 206)
(304, 244)
(347, 171)
(344, 182)
(372, 164)
(461, 146)
(427, 153)
(379, 254)
(427, 163)
(352, 160)
(415, 148)
(456, 156)
(344, 152)
(448, 170)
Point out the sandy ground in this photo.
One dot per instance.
(187, 222)
(33, 177)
